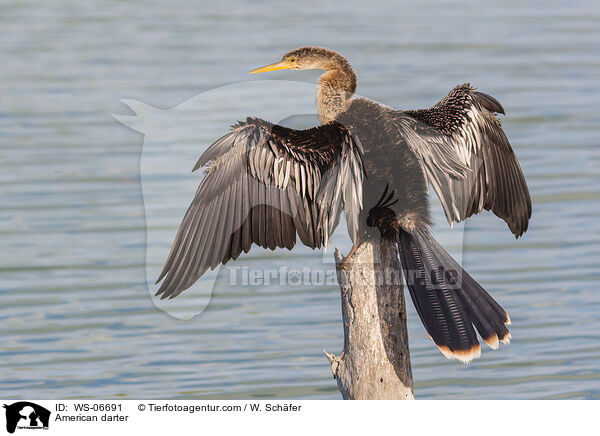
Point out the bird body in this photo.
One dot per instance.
(267, 184)
(388, 162)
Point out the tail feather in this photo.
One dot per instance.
(486, 314)
(448, 300)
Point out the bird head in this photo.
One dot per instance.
(306, 58)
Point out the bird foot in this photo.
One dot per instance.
(383, 217)
(344, 260)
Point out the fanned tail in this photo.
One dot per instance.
(448, 300)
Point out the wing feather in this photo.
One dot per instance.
(264, 184)
(473, 134)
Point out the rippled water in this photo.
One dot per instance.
(75, 312)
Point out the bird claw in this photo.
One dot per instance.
(381, 210)
(386, 202)
(344, 262)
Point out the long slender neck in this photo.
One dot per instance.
(335, 90)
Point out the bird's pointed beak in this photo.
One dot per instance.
(283, 65)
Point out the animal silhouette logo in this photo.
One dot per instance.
(26, 415)
(190, 127)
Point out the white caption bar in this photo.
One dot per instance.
(153, 417)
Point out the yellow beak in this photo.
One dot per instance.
(283, 65)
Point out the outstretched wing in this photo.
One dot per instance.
(265, 184)
(496, 181)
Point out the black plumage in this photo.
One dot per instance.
(266, 184)
(496, 181)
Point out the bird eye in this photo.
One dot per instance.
(293, 59)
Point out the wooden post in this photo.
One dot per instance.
(375, 362)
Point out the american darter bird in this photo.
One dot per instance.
(267, 184)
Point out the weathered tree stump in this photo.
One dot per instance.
(375, 362)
